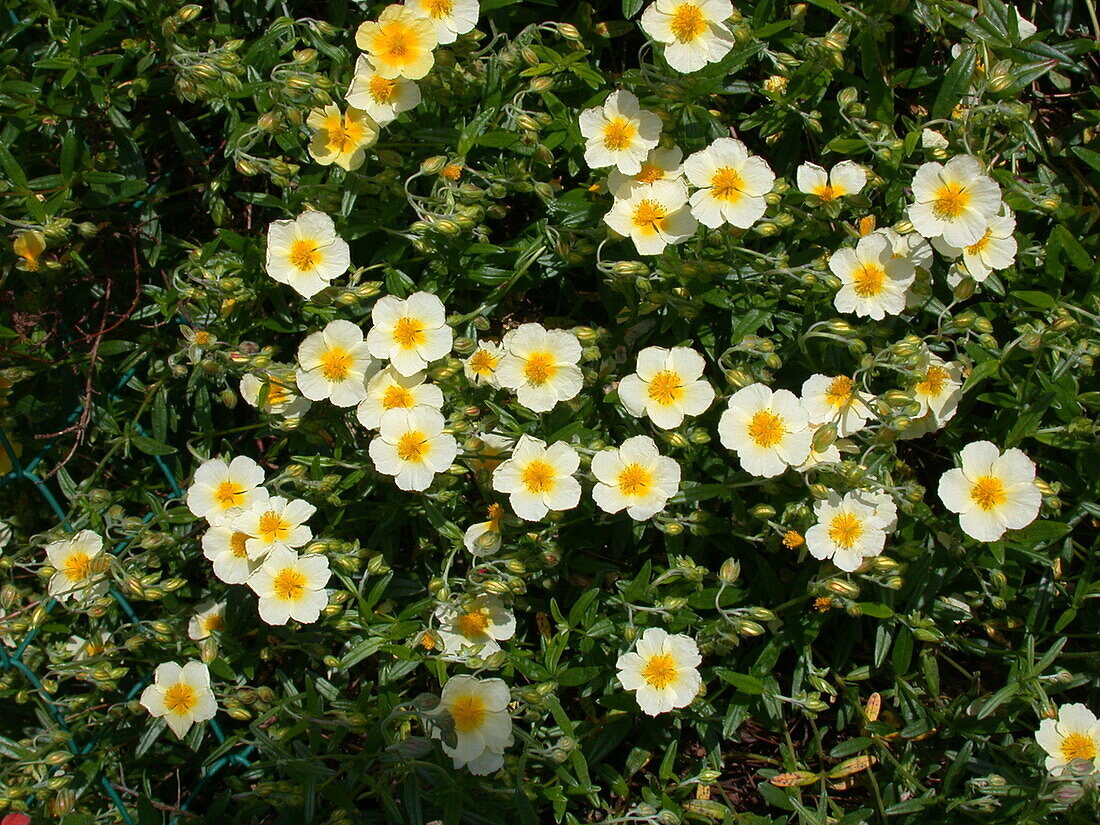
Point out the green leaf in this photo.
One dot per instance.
(956, 82)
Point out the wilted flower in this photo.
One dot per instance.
(483, 538)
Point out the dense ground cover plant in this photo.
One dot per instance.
(517, 412)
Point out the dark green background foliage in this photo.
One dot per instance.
(153, 148)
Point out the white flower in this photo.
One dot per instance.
(209, 617)
(619, 133)
(996, 249)
(848, 530)
(830, 455)
(653, 215)
(731, 184)
(660, 164)
(931, 139)
(835, 400)
(482, 365)
(334, 364)
(79, 648)
(873, 281)
(846, 178)
(634, 477)
(768, 430)
(450, 17)
(275, 524)
(478, 711)
(886, 509)
(911, 246)
(400, 43)
(383, 99)
(227, 548)
(1075, 734)
(390, 390)
(663, 669)
(992, 492)
(281, 397)
(412, 447)
(938, 390)
(541, 366)
(956, 200)
(410, 333)
(538, 478)
(182, 695)
(78, 572)
(483, 538)
(290, 586)
(692, 31)
(306, 253)
(221, 491)
(1024, 26)
(667, 385)
(479, 624)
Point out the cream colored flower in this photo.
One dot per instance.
(275, 524)
(663, 670)
(476, 711)
(911, 246)
(836, 400)
(483, 538)
(886, 509)
(846, 178)
(475, 627)
(540, 365)
(619, 133)
(290, 586)
(848, 530)
(996, 249)
(221, 491)
(341, 138)
(382, 98)
(390, 390)
(400, 44)
(653, 215)
(667, 385)
(410, 333)
(334, 364)
(227, 548)
(938, 389)
(482, 365)
(992, 491)
(79, 649)
(279, 389)
(450, 17)
(538, 478)
(634, 477)
(306, 253)
(181, 695)
(873, 281)
(931, 139)
(830, 455)
(1075, 734)
(955, 200)
(79, 570)
(209, 618)
(731, 184)
(693, 32)
(660, 164)
(29, 246)
(412, 447)
(768, 430)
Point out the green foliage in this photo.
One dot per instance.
(151, 144)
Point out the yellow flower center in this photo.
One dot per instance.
(665, 388)
(452, 171)
(934, 381)
(396, 44)
(660, 671)
(289, 584)
(495, 513)
(538, 476)
(766, 428)
(483, 362)
(635, 480)
(618, 134)
(473, 623)
(203, 338)
(213, 622)
(408, 333)
(276, 394)
(237, 545)
(828, 193)
(650, 173)
(397, 397)
(336, 364)
(649, 216)
(382, 90)
(839, 391)
(229, 494)
(273, 527)
(726, 185)
(687, 22)
(793, 539)
(980, 245)
(988, 492)
(869, 280)
(180, 698)
(78, 566)
(950, 202)
(845, 530)
(439, 8)
(413, 446)
(539, 368)
(1078, 746)
(304, 254)
(344, 134)
(468, 712)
